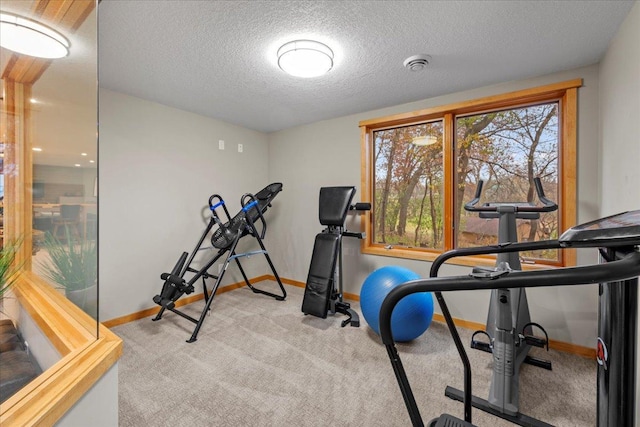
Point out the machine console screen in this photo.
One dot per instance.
(622, 229)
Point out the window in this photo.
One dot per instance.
(420, 168)
(408, 186)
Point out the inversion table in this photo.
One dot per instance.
(225, 238)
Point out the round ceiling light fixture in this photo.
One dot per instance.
(31, 38)
(424, 140)
(417, 62)
(305, 58)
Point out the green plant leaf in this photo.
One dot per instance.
(72, 265)
(9, 271)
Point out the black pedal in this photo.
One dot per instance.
(479, 345)
(532, 339)
(540, 363)
(535, 341)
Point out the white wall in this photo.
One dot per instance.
(620, 130)
(39, 345)
(331, 153)
(43, 351)
(98, 407)
(620, 119)
(157, 168)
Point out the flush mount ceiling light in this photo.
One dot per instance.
(305, 58)
(424, 140)
(31, 38)
(417, 62)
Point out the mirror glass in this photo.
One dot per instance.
(48, 171)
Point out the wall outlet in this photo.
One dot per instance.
(240, 148)
(220, 144)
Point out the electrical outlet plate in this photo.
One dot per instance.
(221, 144)
(240, 148)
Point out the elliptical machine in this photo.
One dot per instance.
(509, 326)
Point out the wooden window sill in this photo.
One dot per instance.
(469, 261)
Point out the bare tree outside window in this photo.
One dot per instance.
(418, 188)
(507, 150)
(408, 191)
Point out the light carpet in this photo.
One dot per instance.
(261, 362)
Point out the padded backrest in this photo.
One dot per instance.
(224, 236)
(317, 293)
(334, 204)
(268, 193)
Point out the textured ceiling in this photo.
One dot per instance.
(218, 58)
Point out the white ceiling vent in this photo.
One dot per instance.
(417, 62)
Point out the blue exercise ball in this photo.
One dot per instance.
(413, 314)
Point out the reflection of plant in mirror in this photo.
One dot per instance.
(73, 265)
(8, 270)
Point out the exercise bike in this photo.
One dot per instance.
(509, 327)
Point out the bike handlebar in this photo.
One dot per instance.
(547, 205)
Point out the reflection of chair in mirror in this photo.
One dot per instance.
(69, 219)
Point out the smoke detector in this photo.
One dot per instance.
(417, 62)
